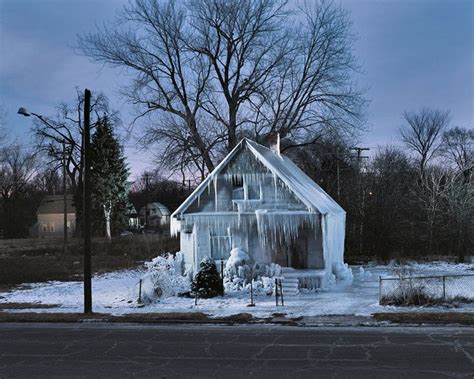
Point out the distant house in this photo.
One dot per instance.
(50, 217)
(156, 214)
(133, 220)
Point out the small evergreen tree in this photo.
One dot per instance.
(109, 175)
(207, 282)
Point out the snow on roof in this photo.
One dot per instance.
(54, 204)
(311, 194)
(164, 211)
(301, 184)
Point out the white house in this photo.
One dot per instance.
(260, 201)
(156, 214)
(50, 217)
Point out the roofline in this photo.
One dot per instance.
(182, 208)
(201, 187)
(287, 182)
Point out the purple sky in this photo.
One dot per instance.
(414, 53)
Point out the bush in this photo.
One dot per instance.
(164, 278)
(207, 283)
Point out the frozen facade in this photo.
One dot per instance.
(261, 202)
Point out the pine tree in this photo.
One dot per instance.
(109, 175)
(207, 282)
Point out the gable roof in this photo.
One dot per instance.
(164, 211)
(311, 194)
(54, 204)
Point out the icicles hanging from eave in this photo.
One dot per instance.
(276, 227)
(175, 226)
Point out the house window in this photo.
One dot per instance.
(253, 192)
(237, 188)
(220, 246)
(44, 227)
(51, 227)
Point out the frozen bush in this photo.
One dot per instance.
(239, 271)
(164, 278)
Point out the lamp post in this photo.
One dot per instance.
(86, 197)
(24, 112)
(87, 205)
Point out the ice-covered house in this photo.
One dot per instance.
(260, 201)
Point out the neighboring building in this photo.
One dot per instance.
(133, 219)
(261, 202)
(158, 215)
(50, 216)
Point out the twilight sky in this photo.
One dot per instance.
(414, 53)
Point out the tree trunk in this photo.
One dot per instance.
(232, 128)
(107, 214)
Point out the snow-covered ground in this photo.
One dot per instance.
(117, 293)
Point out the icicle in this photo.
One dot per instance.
(215, 193)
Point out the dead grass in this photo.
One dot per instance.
(27, 306)
(45, 261)
(463, 318)
(143, 318)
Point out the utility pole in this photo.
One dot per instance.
(147, 178)
(359, 151)
(361, 193)
(65, 198)
(87, 205)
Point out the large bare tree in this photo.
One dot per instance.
(207, 72)
(422, 134)
(152, 43)
(312, 92)
(245, 42)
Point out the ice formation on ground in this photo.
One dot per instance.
(164, 278)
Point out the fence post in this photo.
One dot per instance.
(276, 292)
(380, 288)
(444, 287)
(281, 294)
(140, 292)
(222, 277)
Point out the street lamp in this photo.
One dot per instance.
(86, 198)
(23, 111)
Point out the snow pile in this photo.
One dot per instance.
(239, 272)
(238, 257)
(342, 271)
(164, 278)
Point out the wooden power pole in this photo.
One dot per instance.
(147, 200)
(87, 206)
(64, 199)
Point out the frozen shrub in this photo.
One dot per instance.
(240, 271)
(163, 277)
(207, 282)
(238, 258)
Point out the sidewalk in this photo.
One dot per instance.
(377, 319)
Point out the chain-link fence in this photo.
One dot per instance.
(426, 289)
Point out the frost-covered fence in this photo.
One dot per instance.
(408, 290)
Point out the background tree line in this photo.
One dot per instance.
(412, 200)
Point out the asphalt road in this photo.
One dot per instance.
(166, 351)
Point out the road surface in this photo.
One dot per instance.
(168, 351)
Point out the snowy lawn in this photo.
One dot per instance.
(116, 293)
